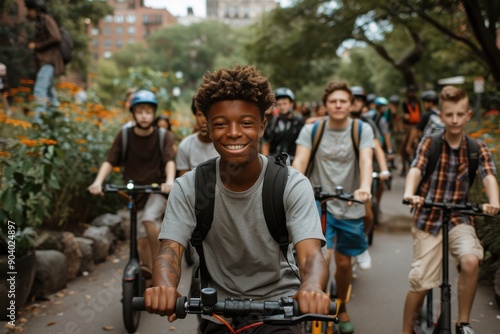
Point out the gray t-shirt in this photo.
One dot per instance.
(241, 256)
(335, 164)
(192, 152)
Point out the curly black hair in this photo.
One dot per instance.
(240, 83)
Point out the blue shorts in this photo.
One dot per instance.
(347, 236)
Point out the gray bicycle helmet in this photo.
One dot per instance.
(370, 98)
(430, 96)
(394, 99)
(143, 96)
(358, 91)
(284, 92)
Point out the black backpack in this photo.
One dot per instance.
(66, 45)
(125, 134)
(275, 179)
(435, 154)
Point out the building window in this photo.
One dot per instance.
(130, 18)
(95, 42)
(107, 31)
(119, 43)
(107, 54)
(119, 30)
(95, 55)
(131, 30)
(131, 41)
(95, 32)
(108, 18)
(107, 43)
(119, 19)
(145, 19)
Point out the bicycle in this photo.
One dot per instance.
(317, 327)
(133, 284)
(282, 312)
(443, 324)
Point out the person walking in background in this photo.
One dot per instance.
(283, 130)
(337, 164)
(448, 183)
(48, 58)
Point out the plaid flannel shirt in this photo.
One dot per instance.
(449, 182)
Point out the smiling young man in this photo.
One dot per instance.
(242, 258)
(336, 164)
(448, 183)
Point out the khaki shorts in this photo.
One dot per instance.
(153, 212)
(425, 272)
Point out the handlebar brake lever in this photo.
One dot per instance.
(281, 320)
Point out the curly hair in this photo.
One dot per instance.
(452, 94)
(240, 83)
(332, 86)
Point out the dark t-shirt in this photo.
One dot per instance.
(281, 134)
(143, 163)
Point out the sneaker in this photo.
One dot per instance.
(364, 260)
(464, 328)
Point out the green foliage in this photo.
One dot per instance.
(45, 172)
(24, 240)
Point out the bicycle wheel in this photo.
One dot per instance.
(131, 317)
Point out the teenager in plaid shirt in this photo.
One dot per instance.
(449, 183)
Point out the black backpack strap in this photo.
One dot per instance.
(161, 137)
(356, 129)
(473, 158)
(432, 158)
(205, 182)
(317, 133)
(125, 136)
(275, 179)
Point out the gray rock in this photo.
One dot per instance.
(86, 248)
(51, 273)
(103, 241)
(114, 222)
(49, 240)
(73, 254)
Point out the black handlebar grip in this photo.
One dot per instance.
(332, 310)
(138, 304)
(406, 202)
(180, 307)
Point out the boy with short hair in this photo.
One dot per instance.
(448, 183)
(336, 164)
(144, 164)
(242, 258)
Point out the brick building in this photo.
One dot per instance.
(238, 13)
(131, 22)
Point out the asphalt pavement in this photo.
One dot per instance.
(91, 304)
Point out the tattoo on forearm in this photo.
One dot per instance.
(169, 260)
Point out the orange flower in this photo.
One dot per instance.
(48, 141)
(81, 141)
(116, 169)
(94, 169)
(83, 149)
(34, 154)
(17, 122)
(29, 142)
(4, 154)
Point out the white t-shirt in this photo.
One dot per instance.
(192, 151)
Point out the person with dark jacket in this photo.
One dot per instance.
(48, 58)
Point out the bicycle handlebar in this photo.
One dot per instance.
(132, 188)
(339, 194)
(284, 311)
(467, 209)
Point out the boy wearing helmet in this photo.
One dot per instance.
(283, 130)
(144, 164)
(48, 59)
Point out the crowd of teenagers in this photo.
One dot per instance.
(241, 125)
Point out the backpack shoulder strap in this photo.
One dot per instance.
(432, 158)
(473, 158)
(205, 181)
(356, 129)
(161, 137)
(275, 179)
(317, 134)
(125, 135)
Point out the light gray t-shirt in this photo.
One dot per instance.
(335, 164)
(192, 152)
(241, 256)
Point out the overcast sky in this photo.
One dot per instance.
(179, 7)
